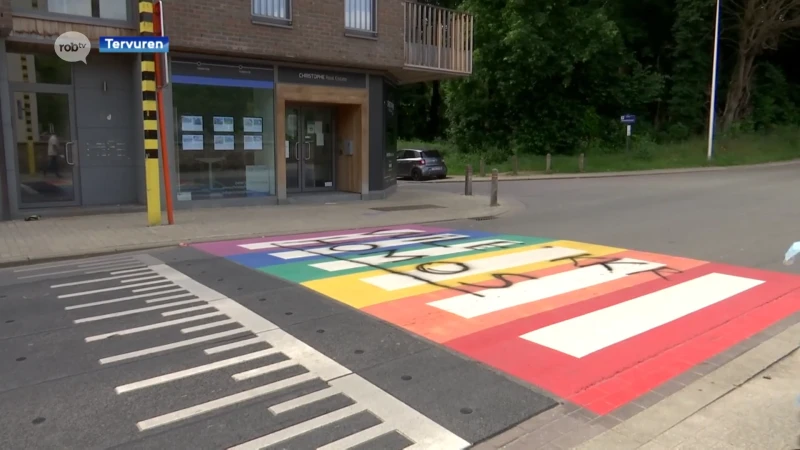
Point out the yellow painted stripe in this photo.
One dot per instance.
(152, 181)
(149, 105)
(151, 125)
(148, 85)
(349, 289)
(148, 66)
(151, 144)
(145, 7)
(145, 27)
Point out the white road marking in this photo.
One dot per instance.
(154, 326)
(103, 260)
(194, 371)
(586, 334)
(234, 345)
(304, 400)
(359, 438)
(118, 266)
(172, 346)
(206, 326)
(186, 310)
(301, 428)
(135, 311)
(264, 370)
(171, 297)
(442, 271)
(95, 280)
(136, 280)
(121, 299)
(530, 291)
(412, 255)
(120, 272)
(115, 288)
(366, 246)
(148, 289)
(207, 407)
(333, 238)
(62, 272)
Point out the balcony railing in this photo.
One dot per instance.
(437, 38)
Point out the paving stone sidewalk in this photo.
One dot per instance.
(60, 237)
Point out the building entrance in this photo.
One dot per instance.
(309, 149)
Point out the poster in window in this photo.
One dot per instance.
(191, 123)
(223, 142)
(253, 125)
(223, 124)
(253, 142)
(192, 142)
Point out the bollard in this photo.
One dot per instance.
(581, 163)
(515, 161)
(493, 198)
(548, 161)
(468, 180)
(483, 168)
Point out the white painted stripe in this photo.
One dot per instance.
(207, 326)
(448, 271)
(118, 266)
(172, 346)
(334, 238)
(121, 299)
(304, 400)
(71, 263)
(115, 288)
(359, 438)
(135, 311)
(301, 428)
(264, 370)
(366, 246)
(136, 280)
(171, 297)
(194, 371)
(96, 280)
(154, 326)
(185, 310)
(61, 272)
(529, 291)
(151, 288)
(108, 263)
(425, 433)
(234, 345)
(411, 255)
(586, 334)
(207, 407)
(120, 272)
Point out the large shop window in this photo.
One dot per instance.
(101, 9)
(224, 136)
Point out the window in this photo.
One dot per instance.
(359, 16)
(38, 68)
(432, 154)
(273, 11)
(101, 9)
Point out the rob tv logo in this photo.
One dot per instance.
(73, 46)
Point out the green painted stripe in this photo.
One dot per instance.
(301, 272)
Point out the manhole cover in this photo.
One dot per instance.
(483, 218)
(406, 208)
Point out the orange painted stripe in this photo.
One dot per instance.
(413, 313)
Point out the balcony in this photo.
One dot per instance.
(437, 41)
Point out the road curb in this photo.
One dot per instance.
(637, 173)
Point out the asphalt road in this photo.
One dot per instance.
(745, 217)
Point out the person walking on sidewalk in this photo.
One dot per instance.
(52, 154)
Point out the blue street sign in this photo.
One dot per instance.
(628, 119)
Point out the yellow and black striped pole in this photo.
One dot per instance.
(149, 108)
(26, 104)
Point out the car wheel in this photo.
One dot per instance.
(441, 177)
(416, 175)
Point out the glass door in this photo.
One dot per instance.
(292, 150)
(46, 150)
(309, 149)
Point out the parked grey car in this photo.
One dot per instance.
(420, 164)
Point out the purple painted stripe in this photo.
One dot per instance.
(230, 248)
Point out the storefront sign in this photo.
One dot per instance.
(210, 69)
(296, 75)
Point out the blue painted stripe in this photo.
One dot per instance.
(229, 82)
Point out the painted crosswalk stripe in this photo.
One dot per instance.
(170, 297)
(304, 400)
(529, 291)
(359, 438)
(234, 345)
(118, 266)
(103, 260)
(207, 407)
(121, 299)
(264, 370)
(172, 346)
(174, 376)
(136, 280)
(442, 271)
(154, 326)
(586, 334)
(95, 280)
(186, 310)
(115, 288)
(135, 311)
(151, 288)
(207, 326)
(367, 246)
(332, 239)
(120, 272)
(299, 429)
(429, 252)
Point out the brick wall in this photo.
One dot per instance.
(316, 35)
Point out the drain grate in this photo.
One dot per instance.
(406, 208)
(483, 218)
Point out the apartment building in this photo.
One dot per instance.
(269, 101)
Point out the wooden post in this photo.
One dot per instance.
(468, 180)
(581, 163)
(548, 163)
(483, 167)
(493, 198)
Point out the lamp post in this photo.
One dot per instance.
(712, 110)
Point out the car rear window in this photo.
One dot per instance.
(432, 154)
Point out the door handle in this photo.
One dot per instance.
(68, 147)
(297, 151)
(308, 151)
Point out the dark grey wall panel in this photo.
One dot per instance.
(376, 130)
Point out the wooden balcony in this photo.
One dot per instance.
(437, 40)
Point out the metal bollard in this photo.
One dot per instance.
(483, 168)
(581, 163)
(548, 164)
(468, 180)
(493, 198)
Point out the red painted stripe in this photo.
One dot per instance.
(653, 354)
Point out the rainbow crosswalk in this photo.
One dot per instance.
(564, 315)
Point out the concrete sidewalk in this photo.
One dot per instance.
(53, 238)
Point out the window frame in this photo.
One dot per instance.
(259, 19)
(42, 13)
(360, 32)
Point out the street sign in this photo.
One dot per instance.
(628, 119)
